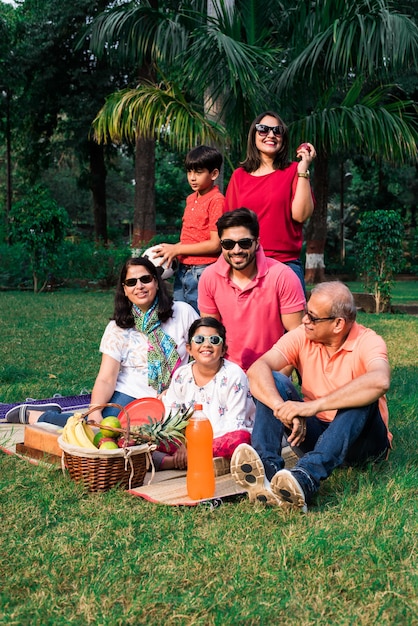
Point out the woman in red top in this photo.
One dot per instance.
(277, 190)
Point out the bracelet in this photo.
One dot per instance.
(304, 174)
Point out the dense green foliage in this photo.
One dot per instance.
(73, 264)
(343, 75)
(40, 225)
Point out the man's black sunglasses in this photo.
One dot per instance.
(244, 244)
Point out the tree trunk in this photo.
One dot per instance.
(317, 228)
(98, 175)
(144, 214)
(144, 227)
(211, 107)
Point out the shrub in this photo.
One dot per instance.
(15, 268)
(379, 252)
(76, 264)
(85, 263)
(39, 225)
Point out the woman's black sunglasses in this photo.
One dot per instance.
(145, 279)
(263, 130)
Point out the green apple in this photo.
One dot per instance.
(97, 438)
(109, 445)
(113, 422)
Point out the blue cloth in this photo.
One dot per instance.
(186, 282)
(68, 403)
(297, 267)
(355, 436)
(60, 419)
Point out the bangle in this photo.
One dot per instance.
(304, 174)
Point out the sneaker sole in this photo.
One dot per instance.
(284, 485)
(248, 471)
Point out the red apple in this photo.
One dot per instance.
(121, 442)
(108, 445)
(303, 146)
(103, 440)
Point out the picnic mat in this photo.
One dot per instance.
(67, 403)
(173, 491)
(167, 487)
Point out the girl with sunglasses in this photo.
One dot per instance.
(277, 190)
(142, 345)
(219, 385)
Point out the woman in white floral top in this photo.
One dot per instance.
(219, 385)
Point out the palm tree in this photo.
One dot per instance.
(332, 89)
(341, 60)
(205, 76)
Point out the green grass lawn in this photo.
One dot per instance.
(74, 558)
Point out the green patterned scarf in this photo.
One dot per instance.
(162, 353)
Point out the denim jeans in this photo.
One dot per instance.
(355, 436)
(60, 419)
(186, 282)
(297, 267)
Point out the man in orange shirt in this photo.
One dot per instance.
(343, 418)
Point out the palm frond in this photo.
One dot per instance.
(365, 37)
(154, 111)
(384, 125)
(138, 34)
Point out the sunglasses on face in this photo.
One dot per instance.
(244, 244)
(145, 279)
(215, 340)
(263, 130)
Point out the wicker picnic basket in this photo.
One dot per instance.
(100, 470)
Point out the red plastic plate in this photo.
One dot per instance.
(142, 409)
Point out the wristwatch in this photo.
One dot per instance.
(304, 174)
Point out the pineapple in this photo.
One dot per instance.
(169, 430)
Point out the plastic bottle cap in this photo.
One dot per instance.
(198, 407)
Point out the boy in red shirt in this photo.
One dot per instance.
(199, 244)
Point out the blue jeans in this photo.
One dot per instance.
(297, 267)
(60, 419)
(186, 282)
(355, 436)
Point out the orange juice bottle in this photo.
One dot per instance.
(200, 472)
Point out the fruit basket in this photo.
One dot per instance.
(100, 470)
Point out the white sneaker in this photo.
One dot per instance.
(288, 489)
(248, 471)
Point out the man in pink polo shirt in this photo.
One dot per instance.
(343, 418)
(255, 297)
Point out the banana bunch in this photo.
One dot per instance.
(77, 433)
(169, 430)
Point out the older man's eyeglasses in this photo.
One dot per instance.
(314, 320)
(263, 130)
